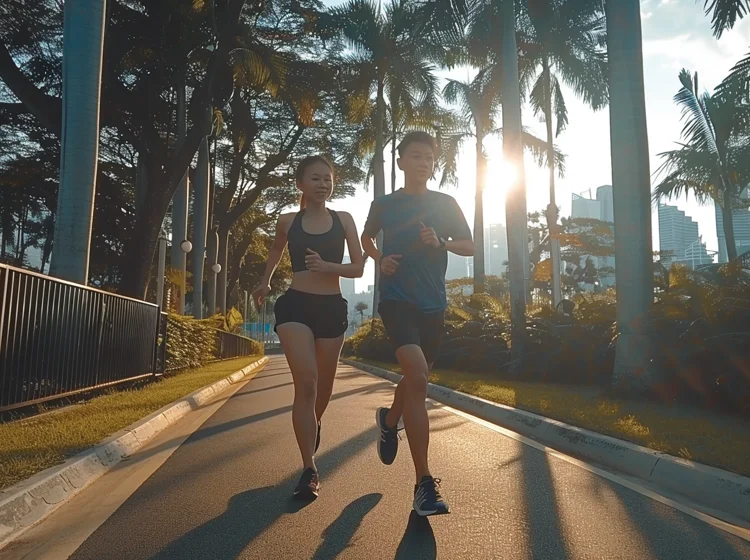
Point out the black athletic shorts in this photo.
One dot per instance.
(405, 324)
(326, 315)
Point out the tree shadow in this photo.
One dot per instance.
(418, 542)
(673, 535)
(542, 510)
(338, 535)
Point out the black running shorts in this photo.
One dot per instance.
(405, 325)
(327, 316)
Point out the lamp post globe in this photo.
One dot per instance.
(186, 246)
(216, 268)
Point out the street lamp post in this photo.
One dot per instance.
(160, 269)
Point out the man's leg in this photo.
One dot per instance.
(412, 394)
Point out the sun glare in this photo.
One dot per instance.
(500, 177)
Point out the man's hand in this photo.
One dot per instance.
(429, 237)
(314, 263)
(389, 264)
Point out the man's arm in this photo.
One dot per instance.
(370, 232)
(460, 241)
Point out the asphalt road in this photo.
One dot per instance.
(225, 494)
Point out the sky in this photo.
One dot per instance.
(676, 35)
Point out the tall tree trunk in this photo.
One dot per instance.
(552, 208)
(479, 255)
(632, 195)
(394, 143)
(221, 287)
(83, 43)
(180, 206)
(212, 247)
(379, 176)
(515, 205)
(200, 225)
(727, 215)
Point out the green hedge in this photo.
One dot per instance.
(191, 343)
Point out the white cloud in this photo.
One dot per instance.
(646, 15)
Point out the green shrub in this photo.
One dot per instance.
(370, 342)
(190, 343)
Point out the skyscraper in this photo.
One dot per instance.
(741, 229)
(495, 249)
(347, 284)
(679, 238)
(458, 267)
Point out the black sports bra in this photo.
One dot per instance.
(329, 245)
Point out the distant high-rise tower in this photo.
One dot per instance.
(741, 230)
(679, 238)
(347, 284)
(495, 249)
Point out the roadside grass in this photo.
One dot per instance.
(30, 445)
(692, 433)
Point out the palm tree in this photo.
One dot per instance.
(387, 57)
(83, 43)
(360, 308)
(478, 101)
(180, 202)
(725, 13)
(561, 41)
(713, 161)
(631, 182)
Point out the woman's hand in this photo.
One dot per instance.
(315, 264)
(260, 293)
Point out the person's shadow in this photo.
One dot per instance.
(418, 542)
(337, 537)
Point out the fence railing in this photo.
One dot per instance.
(229, 345)
(58, 338)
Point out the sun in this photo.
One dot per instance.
(500, 177)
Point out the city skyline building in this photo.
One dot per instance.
(741, 218)
(679, 238)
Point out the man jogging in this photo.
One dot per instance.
(419, 228)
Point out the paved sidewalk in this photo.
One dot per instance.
(224, 494)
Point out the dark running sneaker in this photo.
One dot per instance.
(308, 486)
(317, 439)
(427, 498)
(388, 441)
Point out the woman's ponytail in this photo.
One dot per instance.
(302, 202)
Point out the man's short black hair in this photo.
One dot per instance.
(419, 137)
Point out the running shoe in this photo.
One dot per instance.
(388, 441)
(427, 498)
(317, 439)
(308, 486)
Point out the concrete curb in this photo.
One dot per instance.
(25, 504)
(715, 488)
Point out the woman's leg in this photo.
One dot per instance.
(327, 352)
(299, 348)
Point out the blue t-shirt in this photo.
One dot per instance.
(420, 278)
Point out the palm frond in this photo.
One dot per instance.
(449, 151)
(697, 130)
(725, 13)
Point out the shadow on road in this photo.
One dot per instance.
(250, 513)
(338, 535)
(418, 542)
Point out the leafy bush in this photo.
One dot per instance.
(370, 342)
(700, 356)
(192, 343)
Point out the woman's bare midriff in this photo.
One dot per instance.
(316, 283)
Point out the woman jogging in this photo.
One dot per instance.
(312, 316)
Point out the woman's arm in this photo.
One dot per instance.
(277, 248)
(354, 269)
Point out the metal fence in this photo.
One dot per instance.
(229, 345)
(58, 338)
